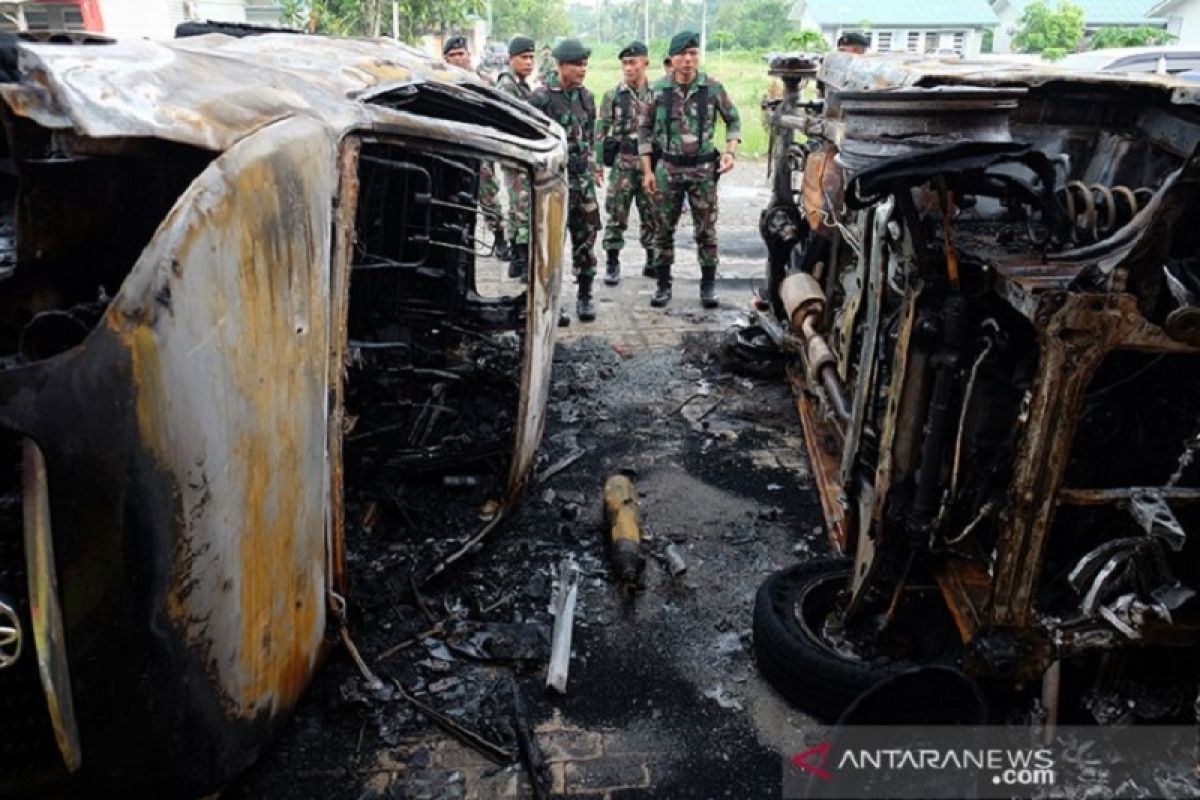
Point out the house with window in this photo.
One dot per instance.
(929, 26)
(1097, 14)
(1182, 19)
(154, 19)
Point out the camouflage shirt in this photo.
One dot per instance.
(516, 87)
(575, 111)
(674, 127)
(547, 68)
(618, 116)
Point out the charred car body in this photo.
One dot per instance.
(209, 248)
(989, 275)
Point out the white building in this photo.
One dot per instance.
(154, 19)
(901, 27)
(1183, 20)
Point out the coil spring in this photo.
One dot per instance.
(1097, 210)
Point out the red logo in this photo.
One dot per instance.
(805, 761)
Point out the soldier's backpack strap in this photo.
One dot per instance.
(626, 104)
(589, 112)
(666, 99)
(701, 112)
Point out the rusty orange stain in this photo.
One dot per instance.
(277, 557)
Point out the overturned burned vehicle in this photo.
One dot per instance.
(989, 277)
(212, 250)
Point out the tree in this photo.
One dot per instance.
(540, 19)
(1049, 31)
(373, 17)
(808, 41)
(1143, 36)
(755, 23)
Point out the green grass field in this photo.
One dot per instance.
(743, 73)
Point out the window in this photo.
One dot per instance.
(883, 41)
(960, 40)
(913, 45)
(931, 41)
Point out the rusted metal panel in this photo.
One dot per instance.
(195, 91)
(45, 608)
(896, 71)
(227, 320)
(544, 288)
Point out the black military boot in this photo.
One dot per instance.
(518, 267)
(662, 295)
(648, 267)
(585, 309)
(708, 287)
(612, 269)
(503, 251)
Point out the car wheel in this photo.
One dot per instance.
(794, 653)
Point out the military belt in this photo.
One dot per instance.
(690, 161)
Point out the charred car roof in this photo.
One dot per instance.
(846, 71)
(210, 91)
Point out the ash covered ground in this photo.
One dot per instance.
(720, 473)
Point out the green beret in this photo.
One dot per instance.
(454, 43)
(520, 45)
(633, 50)
(571, 50)
(854, 39)
(682, 41)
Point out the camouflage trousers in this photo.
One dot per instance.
(583, 223)
(701, 194)
(520, 199)
(624, 188)
(489, 196)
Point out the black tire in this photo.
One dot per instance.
(788, 647)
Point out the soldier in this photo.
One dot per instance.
(514, 83)
(455, 53)
(679, 125)
(546, 67)
(853, 42)
(567, 102)
(616, 137)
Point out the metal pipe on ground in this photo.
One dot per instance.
(624, 530)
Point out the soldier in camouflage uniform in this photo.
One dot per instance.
(455, 53)
(546, 66)
(565, 100)
(514, 83)
(678, 127)
(616, 138)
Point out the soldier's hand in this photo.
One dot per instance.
(649, 183)
(726, 163)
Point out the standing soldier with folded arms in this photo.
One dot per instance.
(678, 127)
(456, 54)
(514, 83)
(617, 147)
(565, 100)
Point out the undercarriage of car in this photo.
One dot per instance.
(989, 282)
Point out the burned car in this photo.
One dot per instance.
(989, 278)
(212, 250)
